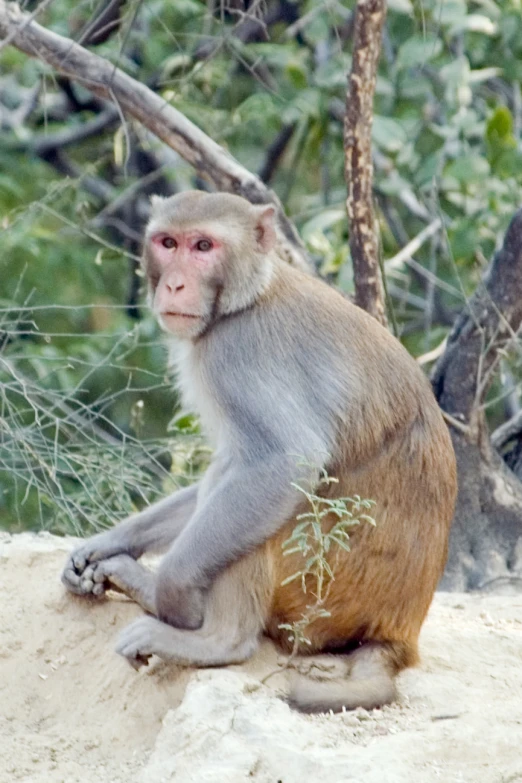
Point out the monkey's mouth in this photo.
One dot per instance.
(180, 315)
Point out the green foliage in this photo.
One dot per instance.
(84, 397)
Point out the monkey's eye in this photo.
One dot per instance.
(204, 245)
(169, 243)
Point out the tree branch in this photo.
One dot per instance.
(411, 248)
(369, 292)
(43, 144)
(510, 429)
(275, 152)
(104, 22)
(103, 79)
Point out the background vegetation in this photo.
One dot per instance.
(88, 421)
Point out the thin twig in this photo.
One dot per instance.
(464, 428)
(432, 355)
(415, 244)
(506, 431)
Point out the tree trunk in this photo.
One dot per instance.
(486, 539)
(364, 246)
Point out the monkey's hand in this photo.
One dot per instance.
(144, 637)
(77, 576)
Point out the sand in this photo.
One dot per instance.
(72, 710)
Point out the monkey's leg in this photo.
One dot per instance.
(153, 529)
(235, 613)
(365, 678)
(124, 574)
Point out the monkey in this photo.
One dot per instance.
(289, 379)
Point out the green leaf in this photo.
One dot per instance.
(332, 73)
(477, 23)
(451, 11)
(321, 222)
(256, 106)
(189, 8)
(297, 74)
(464, 240)
(468, 168)
(388, 133)
(401, 6)
(185, 422)
(418, 50)
(500, 125)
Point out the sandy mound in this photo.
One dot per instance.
(71, 710)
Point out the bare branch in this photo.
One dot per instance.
(510, 429)
(411, 248)
(104, 22)
(432, 355)
(136, 100)
(369, 292)
(41, 145)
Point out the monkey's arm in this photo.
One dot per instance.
(153, 529)
(247, 506)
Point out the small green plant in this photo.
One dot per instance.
(315, 545)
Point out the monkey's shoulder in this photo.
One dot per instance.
(300, 306)
(337, 338)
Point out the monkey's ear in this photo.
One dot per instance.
(265, 229)
(156, 201)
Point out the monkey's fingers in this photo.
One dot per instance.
(111, 574)
(80, 583)
(73, 581)
(80, 560)
(137, 642)
(92, 551)
(139, 661)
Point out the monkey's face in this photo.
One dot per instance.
(206, 256)
(185, 269)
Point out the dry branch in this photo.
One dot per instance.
(510, 429)
(369, 292)
(415, 244)
(136, 100)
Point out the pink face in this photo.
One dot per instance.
(185, 264)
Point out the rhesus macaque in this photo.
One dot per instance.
(289, 378)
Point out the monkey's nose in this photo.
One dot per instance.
(174, 288)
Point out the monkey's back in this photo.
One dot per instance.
(393, 447)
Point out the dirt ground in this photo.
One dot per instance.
(71, 710)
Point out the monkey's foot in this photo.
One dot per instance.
(98, 577)
(143, 638)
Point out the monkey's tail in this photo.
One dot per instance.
(368, 679)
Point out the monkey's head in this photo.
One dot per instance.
(206, 255)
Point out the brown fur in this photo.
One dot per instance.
(384, 586)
